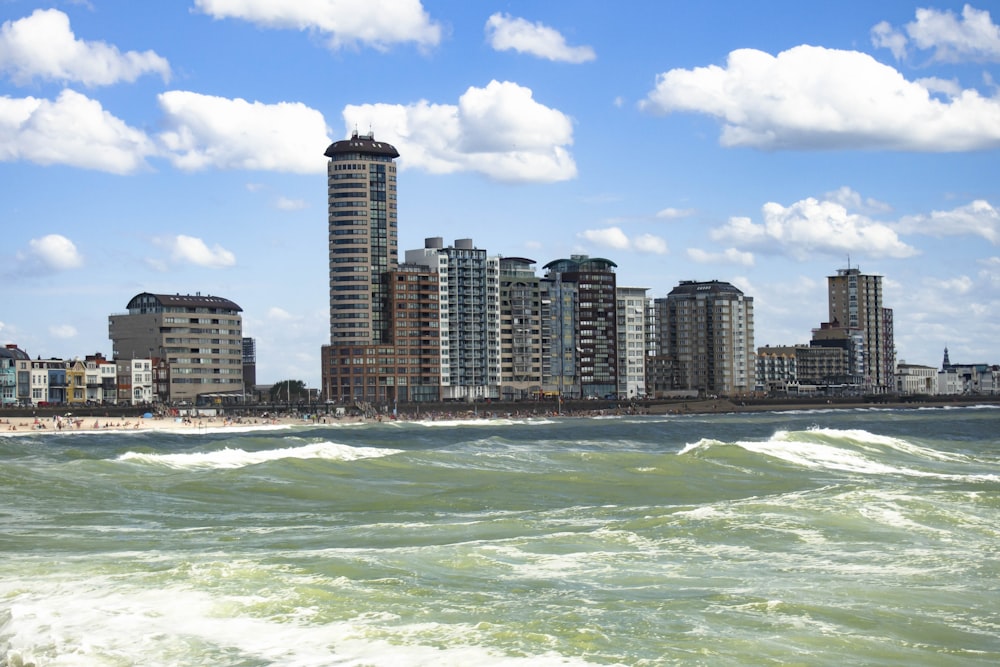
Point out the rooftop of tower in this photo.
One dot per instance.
(361, 143)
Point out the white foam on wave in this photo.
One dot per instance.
(89, 622)
(866, 439)
(239, 458)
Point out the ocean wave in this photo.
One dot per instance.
(229, 457)
(850, 450)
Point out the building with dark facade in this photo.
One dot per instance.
(705, 340)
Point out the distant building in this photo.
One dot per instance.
(705, 336)
(363, 250)
(914, 379)
(469, 307)
(855, 300)
(595, 323)
(197, 341)
(10, 355)
(969, 379)
(520, 329)
(632, 308)
(249, 365)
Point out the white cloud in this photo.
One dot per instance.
(63, 331)
(207, 131)
(727, 256)
(286, 204)
(850, 199)
(35, 130)
(509, 33)
(973, 36)
(376, 23)
(650, 244)
(956, 285)
(671, 213)
(43, 45)
(499, 131)
(811, 97)
(978, 218)
(276, 313)
(615, 238)
(192, 250)
(52, 252)
(886, 37)
(810, 226)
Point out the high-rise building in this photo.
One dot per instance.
(632, 313)
(363, 244)
(596, 320)
(199, 338)
(855, 301)
(469, 315)
(363, 250)
(705, 339)
(520, 329)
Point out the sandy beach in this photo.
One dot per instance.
(218, 423)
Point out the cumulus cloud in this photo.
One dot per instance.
(812, 98)
(727, 256)
(978, 218)
(616, 239)
(811, 226)
(52, 252)
(499, 131)
(507, 33)
(43, 45)
(379, 24)
(192, 250)
(35, 130)
(206, 131)
(950, 38)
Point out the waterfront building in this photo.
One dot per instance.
(102, 379)
(855, 301)
(777, 368)
(415, 323)
(198, 338)
(596, 321)
(914, 379)
(559, 338)
(363, 250)
(705, 338)
(520, 329)
(13, 365)
(469, 310)
(632, 309)
(249, 365)
(76, 382)
(47, 381)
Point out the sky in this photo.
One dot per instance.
(177, 147)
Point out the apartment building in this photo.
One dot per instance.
(855, 302)
(199, 340)
(469, 310)
(520, 329)
(632, 313)
(705, 340)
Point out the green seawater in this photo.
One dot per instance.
(861, 537)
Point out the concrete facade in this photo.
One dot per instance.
(198, 338)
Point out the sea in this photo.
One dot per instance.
(823, 537)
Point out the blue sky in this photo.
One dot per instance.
(178, 147)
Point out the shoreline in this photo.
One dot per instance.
(217, 424)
